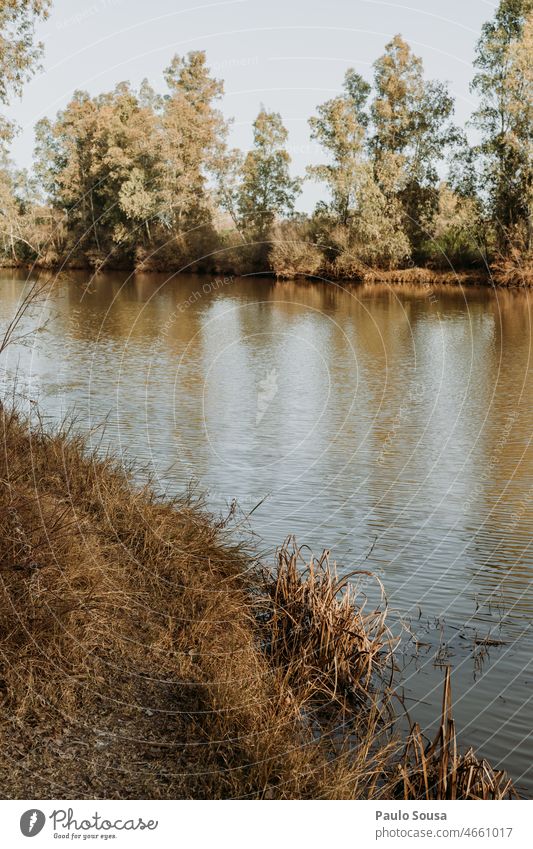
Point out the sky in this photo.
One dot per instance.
(288, 55)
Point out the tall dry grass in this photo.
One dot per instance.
(513, 272)
(144, 654)
(318, 630)
(437, 770)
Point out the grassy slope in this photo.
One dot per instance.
(142, 654)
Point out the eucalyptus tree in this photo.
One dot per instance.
(267, 189)
(340, 129)
(504, 84)
(227, 171)
(193, 138)
(363, 224)
(19, 55)
(412, 132)
(129, 168)
(97, 162)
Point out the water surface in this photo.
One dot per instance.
(390, 425)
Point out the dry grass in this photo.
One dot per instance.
(514, 272)
(292, 252)
(317, 628)
(437, 770)
(143, 654)
(424, 276)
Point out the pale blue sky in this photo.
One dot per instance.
(288, 54)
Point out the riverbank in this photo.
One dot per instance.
(145, 654)
(503, 276)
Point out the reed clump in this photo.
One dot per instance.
(319, 630)
(145, 654)
(438, 770)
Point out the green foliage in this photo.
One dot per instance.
(144, 179)
(455, 231)
(98, 162)
(228, 171)
(192, 139)
(340, 129)
(374, 236)
(381, 172)
(412, 132)
(18, 51)
(130, 168)
(293, 252)
(18, 57)
(266, 189)
(504, 84)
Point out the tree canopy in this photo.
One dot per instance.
(143, 178)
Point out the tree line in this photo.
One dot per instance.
(147, 179)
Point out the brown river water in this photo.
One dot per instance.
(391, 425)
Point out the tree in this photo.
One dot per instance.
(375, 236)
(193, 137)
(340, 129)
(22, 236)
(504, 85)
(456, 230)
(64, 157)
(412, 131)
(521, 131)
(365, 223)
(18, 57)
(99, 163)
(131, 169)
(227, 171)
(18, 51)
(267, 189)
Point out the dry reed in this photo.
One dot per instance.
(437, 770)
(319, 629)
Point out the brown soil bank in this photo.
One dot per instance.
(145, 655)
(505, 275)
(511, 277)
